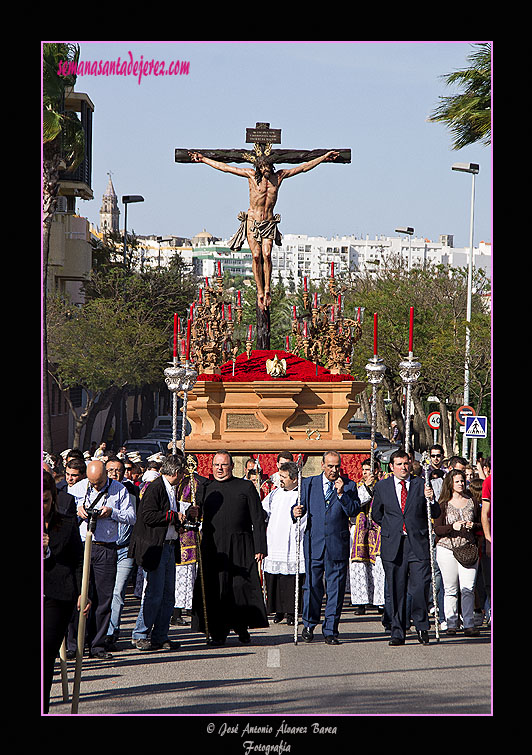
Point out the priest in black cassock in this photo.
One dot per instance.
(232, 544)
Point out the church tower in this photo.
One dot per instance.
(109, 211)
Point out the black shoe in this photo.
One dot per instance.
(423, 636)
(216, 642)
(396, 641)
(166, 645)
(177, 618)
(244, 637)
(102, 655)
(143, 644)
(307, 634)
(331, 640)
(360, 610)
(290, 620)
(278, 618)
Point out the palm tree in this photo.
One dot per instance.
(63, 147)
(468, 114)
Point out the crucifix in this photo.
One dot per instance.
(259, 224)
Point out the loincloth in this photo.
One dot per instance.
(259, 229)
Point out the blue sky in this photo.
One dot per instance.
(371, 97)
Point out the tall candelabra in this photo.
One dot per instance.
(213, 327)
(179, 377)
(326, 336)
(409, 370)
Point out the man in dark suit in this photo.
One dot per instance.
(155, 547)
(329, 500)
(400, 508)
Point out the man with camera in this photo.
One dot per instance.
(102, 504)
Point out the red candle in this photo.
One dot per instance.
(288, 343)
(375, 334)
(175, 334)
(339, 302)
(358, 314)
(238, 299)
(189, 323)
(305, 283)
(294, 310)
(219, 269)
(315, 300)
(191, 315)
(200, 297)
(305, 333)
(332, 269)
(223, 312)
(411, 335)
(183, 347)
(206, 283)
(250, 332)
(229, 315)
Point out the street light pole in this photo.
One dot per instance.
(472, 168)
(128, 199)
(409, 231)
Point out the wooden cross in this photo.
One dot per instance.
(262, 137)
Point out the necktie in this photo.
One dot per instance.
(329, 494)
(403, 499)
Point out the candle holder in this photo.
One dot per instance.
(409, 371)
(188, 380)
(375, 370)
(213, 333)
(249, 347)
(329, 337)
(173, 377)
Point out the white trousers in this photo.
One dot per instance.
(457, 580)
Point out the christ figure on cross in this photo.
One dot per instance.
(259, 224)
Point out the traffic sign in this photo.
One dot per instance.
(433, 420)
(476, 427)
(463, 412)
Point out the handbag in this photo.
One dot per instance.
(466, 554)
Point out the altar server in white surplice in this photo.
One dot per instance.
(280, 565)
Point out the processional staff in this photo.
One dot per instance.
(298, 538)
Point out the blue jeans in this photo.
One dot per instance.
(123, 570)
(158, 602)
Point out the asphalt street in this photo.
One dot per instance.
(273, 677)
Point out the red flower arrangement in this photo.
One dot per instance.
(254, 368)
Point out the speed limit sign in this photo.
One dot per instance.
(433, 420)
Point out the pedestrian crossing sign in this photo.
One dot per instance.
(476, 427)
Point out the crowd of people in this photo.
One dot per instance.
(233, 551)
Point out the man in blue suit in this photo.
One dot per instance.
(400, 508)
(329, 500)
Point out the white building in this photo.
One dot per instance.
(311, 256)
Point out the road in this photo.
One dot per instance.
(274, 677)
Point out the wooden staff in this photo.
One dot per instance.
(426, 466)
(91, 526)
(64, 673)
(259, 563)
(191, 467)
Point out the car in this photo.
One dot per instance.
(146, 447)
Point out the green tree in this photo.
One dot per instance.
(102, 347)
(438, 295)
(468, 113)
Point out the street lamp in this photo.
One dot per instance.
(409, 231)
(128, 199)
(161, 240)
(472, 168)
